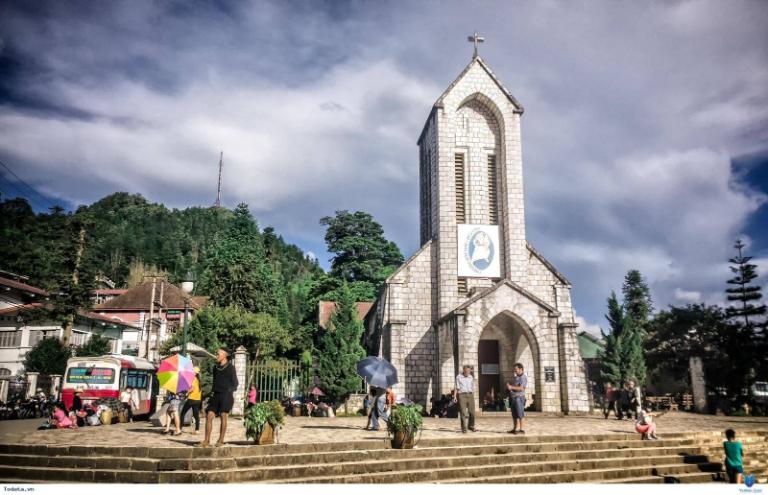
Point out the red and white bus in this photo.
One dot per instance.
(107, 376)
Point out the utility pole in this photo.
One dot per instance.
(151, 318)
(217, 204)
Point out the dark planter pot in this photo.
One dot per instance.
(296, 411)
(403, 440)
(266, 436)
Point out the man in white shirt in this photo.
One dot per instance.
(465, 394)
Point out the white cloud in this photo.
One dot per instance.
(687, 296)
(590, 328)
(633, 115)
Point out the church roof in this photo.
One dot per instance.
(475, 60)
(481, 62)
(483, 293)
(549, 265)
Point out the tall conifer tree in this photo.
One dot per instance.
(340, 349)
(742, 293)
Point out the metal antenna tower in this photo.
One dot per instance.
(217, 204)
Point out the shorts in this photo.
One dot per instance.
(221, 403)
(733, 472)
(517, 404)
(174, 405)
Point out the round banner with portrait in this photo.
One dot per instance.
(478, 251)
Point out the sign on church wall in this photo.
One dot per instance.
(479, 251)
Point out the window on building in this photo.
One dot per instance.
(462, 285)
(458, 162)
(79, 338)
(5, 372)
(10, 338)
(493, 202)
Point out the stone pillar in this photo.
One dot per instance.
(698, 385)
(4, 386)
(31, 383)
(240, 365)
(55, 386)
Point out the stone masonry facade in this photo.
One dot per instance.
(428, 322)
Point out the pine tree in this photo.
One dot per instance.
(637, 298)
(623, 357)
(611, 358)
(633, 352)
(340, 349)
(745, 272)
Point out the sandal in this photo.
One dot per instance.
(203, 444)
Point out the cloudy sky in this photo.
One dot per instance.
(645, 135)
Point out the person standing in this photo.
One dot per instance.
(134, 402)
(734, 464)
(222, 397)
(609, 401)
(252, 395)
(125, 399)
(194, 401)
(174, 405)
(516, 391)
(465, 395)
(379, 409)
(635, 398)
(390, 399)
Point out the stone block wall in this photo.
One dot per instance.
(409, 319)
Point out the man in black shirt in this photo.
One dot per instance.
(222, 396)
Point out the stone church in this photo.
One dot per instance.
(476, 292)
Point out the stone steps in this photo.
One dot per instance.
(503, 471)
(681, 457)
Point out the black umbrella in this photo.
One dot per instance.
(377, 371)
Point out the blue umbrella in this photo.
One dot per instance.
(377, 371)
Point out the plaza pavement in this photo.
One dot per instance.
(305, 430)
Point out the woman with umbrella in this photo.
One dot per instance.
(381, 374)
(175, 374)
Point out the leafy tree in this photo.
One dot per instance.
(340, 349)
(680, 333)
(742, 292)
(238, 272)
(96, 346)
(48, 357)
(262, 335)
(361, 252)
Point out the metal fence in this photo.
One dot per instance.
(276, 380)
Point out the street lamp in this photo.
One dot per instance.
(187, 286)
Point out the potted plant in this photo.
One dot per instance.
(404, 423)
(263, 420)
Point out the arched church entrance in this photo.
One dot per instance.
(504, 341)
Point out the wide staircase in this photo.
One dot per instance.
(610, 458)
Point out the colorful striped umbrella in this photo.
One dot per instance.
(176, 373)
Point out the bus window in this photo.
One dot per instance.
(91, 375)
(135, 379)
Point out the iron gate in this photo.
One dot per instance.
(276, 380)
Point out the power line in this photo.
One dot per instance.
(46, 200)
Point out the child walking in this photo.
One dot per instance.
(733, 454)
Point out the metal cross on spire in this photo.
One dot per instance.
(475, 38)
